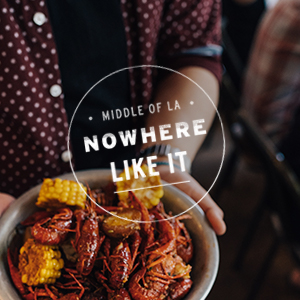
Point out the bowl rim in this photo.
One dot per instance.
(5, 282)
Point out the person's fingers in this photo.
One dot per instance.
(193, 189)
(213, 212)
(5, 201)
(216, 221)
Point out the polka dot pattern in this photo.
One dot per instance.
(34, 122)
(157, 33)
(28, 59)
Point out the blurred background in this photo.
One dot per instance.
(239, 199)
(258, 187)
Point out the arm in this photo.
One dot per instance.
(177, 87)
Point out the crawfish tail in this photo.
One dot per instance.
(88, 246)
(120, 264)
(179, 289)
(139, 292)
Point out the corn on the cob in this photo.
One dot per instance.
(58, 193)
(39, 264)
(149, 196)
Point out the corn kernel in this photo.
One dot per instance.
(24, 278)
(154, 201)
(34, 268)
(58, 193)
(48, 273)
(150, 196)
(43, 272)
(61, 263)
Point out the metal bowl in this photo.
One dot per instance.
(206, 251)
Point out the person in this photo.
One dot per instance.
(271, 91)
(53, 52)
(272, 86)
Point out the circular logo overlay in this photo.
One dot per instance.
(144, 124)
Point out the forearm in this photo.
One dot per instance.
(177, 87)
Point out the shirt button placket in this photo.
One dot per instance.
(39, 18)
(66, 156)
(55, 90)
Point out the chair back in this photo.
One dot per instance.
(283, 187)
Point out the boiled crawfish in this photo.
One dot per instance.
(146, 225)
(16, 278)
(155, 275)
(179, 289)
(88, 239)
(53, 230)
(184, 244)
(122, 261)
(121, 294)
(36, 217)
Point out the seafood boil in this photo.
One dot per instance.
(102, 246)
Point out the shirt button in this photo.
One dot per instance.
(55, 90)
(39, 18)
(66, 156)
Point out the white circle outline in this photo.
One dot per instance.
(171, 70)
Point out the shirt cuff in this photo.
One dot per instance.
(210, 63)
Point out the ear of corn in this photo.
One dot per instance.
(39, 264)
(150, 194)
(59, 193)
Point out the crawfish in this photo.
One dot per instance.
(120, 264)
(88, 240)
(184, 243)
(52, 231)
(160, 263)
(152, 289)
(121, 294)
(71, 285)
(16, 278)
(146, 220)
(36, 217)
(122, 259)
(179, 289)
(167, 237)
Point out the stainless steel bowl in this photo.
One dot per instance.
(206, 251)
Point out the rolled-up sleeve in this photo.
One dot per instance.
(190, 35)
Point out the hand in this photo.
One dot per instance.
(5, 201)
(193, 189)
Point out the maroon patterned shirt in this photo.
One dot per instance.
(33, 121)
